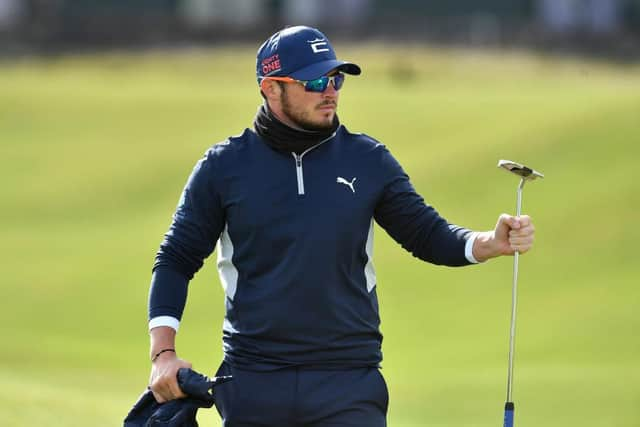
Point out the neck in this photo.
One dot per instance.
(282, 135)
(283, 118)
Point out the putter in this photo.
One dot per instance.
(525, 174)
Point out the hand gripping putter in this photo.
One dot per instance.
(525, 174)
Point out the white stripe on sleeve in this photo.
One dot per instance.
(169, 321)
(468, 248)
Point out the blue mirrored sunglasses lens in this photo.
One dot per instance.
(317, 85)
(338, 80)
(320, 85)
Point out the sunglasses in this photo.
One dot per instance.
(316, 85)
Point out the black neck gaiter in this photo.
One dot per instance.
(283, 138)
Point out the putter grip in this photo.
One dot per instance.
(509, 410)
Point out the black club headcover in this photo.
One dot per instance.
(146, 412)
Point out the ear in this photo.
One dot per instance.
(271, 89)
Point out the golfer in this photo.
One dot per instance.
(291, 204)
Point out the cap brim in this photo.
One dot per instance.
(320, 69)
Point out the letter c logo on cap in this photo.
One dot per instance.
(317, 45)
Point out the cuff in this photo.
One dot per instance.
(169, 321)
(468, 248)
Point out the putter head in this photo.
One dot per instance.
(522, 171)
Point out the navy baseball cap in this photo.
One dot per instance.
(303, 53)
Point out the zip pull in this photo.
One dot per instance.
(299, 175)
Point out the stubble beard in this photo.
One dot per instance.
(301, 118)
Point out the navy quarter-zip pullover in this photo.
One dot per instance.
(295, 246)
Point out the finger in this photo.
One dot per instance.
(526, 231)
(163, 388)
(161, 396)
(176, 391)
(157, 397)
(515, 223)
(172, 381)
(175, 387)
(508, 220)
(521, 238)
(524, 220)
(506, 223)
(521, 243)
(521, 248)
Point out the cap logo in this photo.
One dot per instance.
(270, 64)
(317, 45)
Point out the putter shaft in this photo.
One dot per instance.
(514, 302)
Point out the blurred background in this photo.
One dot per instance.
(105, 106)
(609, 26)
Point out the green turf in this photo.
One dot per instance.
(95, 149)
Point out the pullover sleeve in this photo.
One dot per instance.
(415, 225)
(196, 226)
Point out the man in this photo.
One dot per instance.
(291, 204)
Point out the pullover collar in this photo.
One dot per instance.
(284, 138)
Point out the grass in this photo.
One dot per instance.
(95, 149)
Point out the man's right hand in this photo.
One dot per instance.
(164, 377)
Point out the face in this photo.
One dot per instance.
(306, 110)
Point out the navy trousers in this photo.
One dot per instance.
(301, 397)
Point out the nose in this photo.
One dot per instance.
(330, 91)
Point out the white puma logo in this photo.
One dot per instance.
(341, 180)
